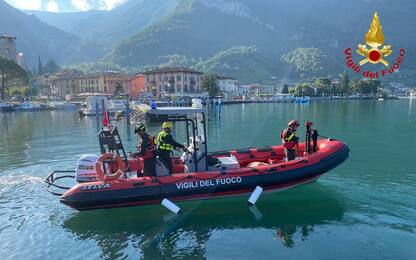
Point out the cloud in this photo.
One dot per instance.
(81, 5)
(110, 4)
(52, 6)
(28, 4)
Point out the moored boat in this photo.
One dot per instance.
(28, 106)
(5, 107)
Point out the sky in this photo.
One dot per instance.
(65, 5)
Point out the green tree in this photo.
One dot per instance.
(40, 66)
(50, 67)
(117, 89)
(210, 84)
(307, 90)
(345, 84)
(323, 84)
(285, 89)
(11, 71)
(355, 85)
(15, 92)
(368, 86)
(304, 90)
(298, 90)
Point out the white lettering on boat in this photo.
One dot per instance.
(96, 186)
(208, 183)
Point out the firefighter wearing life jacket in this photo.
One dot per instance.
(166, 144)
(147, 150)
(290, 140)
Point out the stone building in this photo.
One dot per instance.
(8, 47)
(173, 80)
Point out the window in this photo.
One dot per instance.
(178, 78)
(165, 78)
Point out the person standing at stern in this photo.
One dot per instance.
(290, 140)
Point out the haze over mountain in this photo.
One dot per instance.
(100, 30)
(36, 38)
(65, 21)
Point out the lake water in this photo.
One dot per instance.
(365, 208)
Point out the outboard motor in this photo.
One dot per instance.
(85, 171)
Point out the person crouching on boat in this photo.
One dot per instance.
(166, 144)
(290, 140)
(147, 150)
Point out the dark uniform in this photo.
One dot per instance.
(147, 151)
(290, 142)
(165, 146)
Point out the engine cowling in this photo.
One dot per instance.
(85, 171)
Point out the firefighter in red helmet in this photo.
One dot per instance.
(290, 140)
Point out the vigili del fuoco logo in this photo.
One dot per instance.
(374, 52)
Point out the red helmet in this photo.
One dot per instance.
(293, 123)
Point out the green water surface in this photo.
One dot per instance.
(364, 209)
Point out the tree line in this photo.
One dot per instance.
(17, 81)
(323, 86)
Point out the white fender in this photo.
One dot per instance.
(255, 195)
(171, 206)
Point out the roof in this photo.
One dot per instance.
(93, 94)
(175, 111)
(172, 70)
(7, 36)
(220, 77)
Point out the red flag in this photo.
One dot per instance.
(106, 121)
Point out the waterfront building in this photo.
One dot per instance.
(137, 86)
(63, 83)
(103, 83)
(259, 90)
(243, 90)
(228, 86)
(72, 82)
(8, 47)
(173, 80)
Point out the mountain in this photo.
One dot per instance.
(125, 20)
(34, 37)
(100, 30)
(64, 21)
(279, 31)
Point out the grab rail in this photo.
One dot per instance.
(52, 178)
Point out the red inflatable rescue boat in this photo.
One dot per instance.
(107, 181)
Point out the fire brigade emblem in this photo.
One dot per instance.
(375, 40)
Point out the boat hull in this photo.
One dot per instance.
(182, 187)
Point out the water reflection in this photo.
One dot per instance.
(154, 233)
